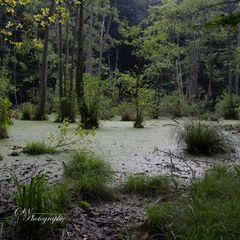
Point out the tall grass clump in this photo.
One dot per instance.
(34, 200)
(212, 212)
(89, 175)
(28, 111)
(147, 186)
(38, 147)
(203, 138)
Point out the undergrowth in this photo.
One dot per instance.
(89, 175)
(38, 147)
(147, 186)
(211, 212)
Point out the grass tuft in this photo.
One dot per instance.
(204, 138)
(38, 147)
(147, 186)
(89, 175)
(212, 212)
(38, 199)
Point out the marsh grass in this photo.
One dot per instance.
(204, 138)
(38, 198)
(147, 186)
(89, 175)
(38, 147)
(212, 211)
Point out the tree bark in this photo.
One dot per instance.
(88, 121)
(238, 65)
(40, 115)
(89, 67)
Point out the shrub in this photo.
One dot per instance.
(175, 106)
(35, 198)
(212, 212)
(1, 157)
(28, 111)
(38, 147)
(147, 186)
(5, 120)
(126, 111)
(89, 175)
(107, 110)
(227, 106)
(203, 138)
(92, 100)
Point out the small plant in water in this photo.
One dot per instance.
(38, 147)
(204, 138)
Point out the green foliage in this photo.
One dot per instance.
(1, 157)
(175, 106)
(28, 111)
(4, 83)
(35, 198)
(5, 119)
(227, 106)
(126, 111)
(38, 147)
(147, 186)
(212, 212)
(92, 95)
(89, 175)
(204, 138)
(107, 111)
(68, 137)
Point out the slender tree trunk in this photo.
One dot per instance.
(15, 76)
(87, 119)
(238, 65)
(40, 115)
(60, 69)
(99, 73)
(192, 86)
(71, 84)
(89, 67)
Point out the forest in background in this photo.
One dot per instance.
(131, 58)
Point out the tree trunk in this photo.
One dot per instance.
(89, 67)
(88, 121)
(192, 86)
(62, 109)
(238, 65)
(40, 115)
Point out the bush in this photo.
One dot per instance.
(35, 198)
(227, 106)
(28, 111)
(89, 175)
(5, 120)
(176, 107)
(38, 147)
(203, 138)
(212, 212)
(107, 110)
(147, 186)
(126, 111)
